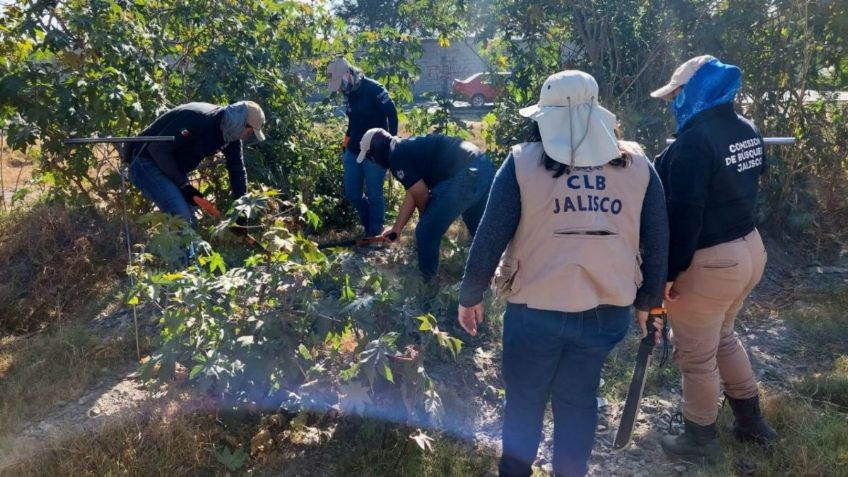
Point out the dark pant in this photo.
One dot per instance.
(146, 175)
(464, 194)
(557, 356)
(363, 186)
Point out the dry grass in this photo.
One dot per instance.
(55, 261)
(160, 443)
(60, 365)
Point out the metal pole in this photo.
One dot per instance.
(122, 173)
(110, 140)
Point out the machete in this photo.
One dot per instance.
(637, 383)
(360, 242)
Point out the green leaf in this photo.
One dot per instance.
(304, 352)
(216, 262)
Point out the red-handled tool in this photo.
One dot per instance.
(360, 242)
(213, 211)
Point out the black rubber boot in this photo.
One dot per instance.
(698, 444)
(749, 425)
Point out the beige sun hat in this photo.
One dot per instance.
(682, 75)
(575, 129)
(256, 119)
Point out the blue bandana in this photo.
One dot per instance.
(713, 84)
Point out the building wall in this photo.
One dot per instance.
(439, 66)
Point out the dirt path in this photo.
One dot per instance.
(477, 407)
(113, 397)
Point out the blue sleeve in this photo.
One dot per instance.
(497, 227)
(653, 246)
(235, 169)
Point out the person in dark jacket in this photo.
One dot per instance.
(578, 223)
(160, 169)
(368, 105)
(444, 177)
(710, 175)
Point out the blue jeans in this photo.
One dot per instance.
(464, 194)
(557, 356)
(146, 175)
(369, 201)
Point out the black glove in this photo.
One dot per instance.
(240, 227)
(189, 193)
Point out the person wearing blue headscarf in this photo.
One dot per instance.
(710, 174)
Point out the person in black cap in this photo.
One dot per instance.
(444, 177)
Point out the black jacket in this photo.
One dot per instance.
(369, 106)
(710, 174)
(196, 128)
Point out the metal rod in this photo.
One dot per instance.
(104, 140)
(766, 140)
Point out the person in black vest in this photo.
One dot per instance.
(716, 256)
(160, 169)
(444, 177)
(368, 105)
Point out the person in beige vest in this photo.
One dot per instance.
(716, 257)
(578, 223)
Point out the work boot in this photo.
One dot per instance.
(698, 444)
(749, 425)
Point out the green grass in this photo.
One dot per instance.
(819, 327)
(828, 388)
(814, 442)
(372, 448)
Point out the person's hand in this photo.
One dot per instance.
(671, 294)
(391, 234)
(470, 317)
(344, 142)
(642, 320)
(189, 193)
(240, 227)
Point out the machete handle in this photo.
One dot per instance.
(207, 207)
(656, 313)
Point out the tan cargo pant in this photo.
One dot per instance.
(706, 348)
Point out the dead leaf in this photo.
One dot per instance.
(424, 441)
(355, 397)
(261, 442)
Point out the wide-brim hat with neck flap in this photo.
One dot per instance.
(575, 129)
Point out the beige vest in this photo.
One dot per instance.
(577, 242)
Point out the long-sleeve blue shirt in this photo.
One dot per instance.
(369, 106)
(500, 221)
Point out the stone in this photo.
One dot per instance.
(635, 452)
(680, 468)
